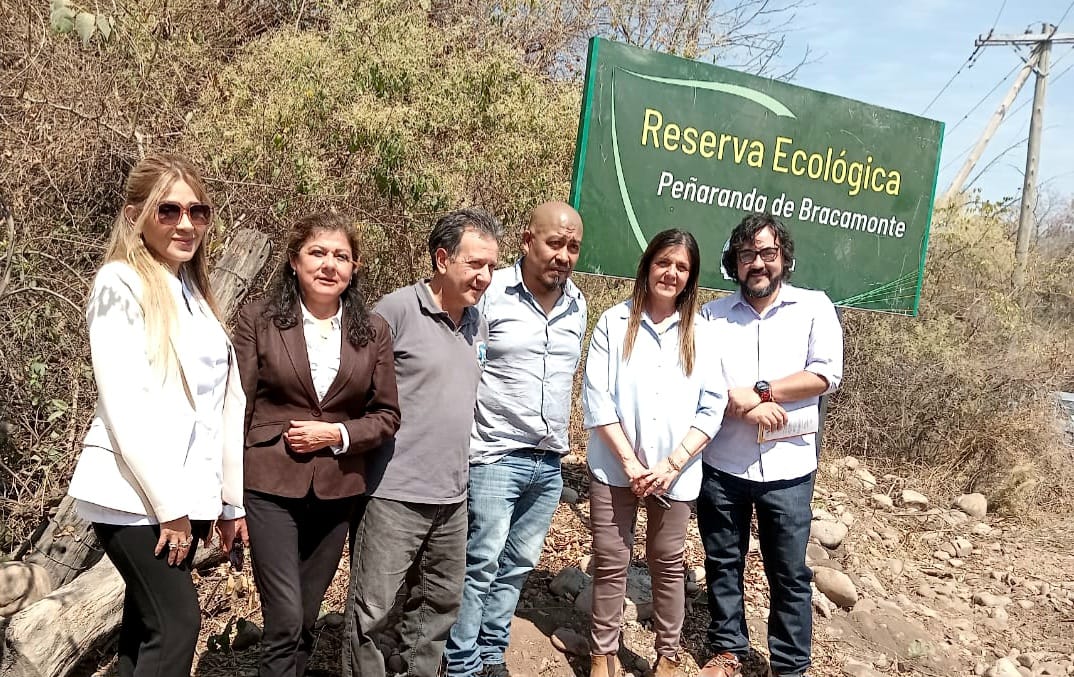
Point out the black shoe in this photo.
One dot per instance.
(495, 670)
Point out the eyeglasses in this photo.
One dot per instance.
(171, 213)
(768, 255)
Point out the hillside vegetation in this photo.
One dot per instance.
(395, 112)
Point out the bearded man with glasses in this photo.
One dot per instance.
(782, 348)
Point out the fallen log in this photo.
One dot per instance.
(47, 638)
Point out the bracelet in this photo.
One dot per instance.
(675, 466)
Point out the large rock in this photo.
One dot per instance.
(584, 601)
(1004, 667)
(814, 552)
(974, 505)
(914, 499)
(866, 478)
(638, 605)
(568, 582)
(22, 584)
(987, 599)
(836, 586)
(882, 501)
(828, 533)
(570, 642)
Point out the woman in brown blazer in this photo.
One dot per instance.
(319, 377)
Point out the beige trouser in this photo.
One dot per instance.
(613, 514)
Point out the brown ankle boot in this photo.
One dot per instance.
(603, 665)
(667, 666)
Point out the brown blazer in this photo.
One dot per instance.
(275, 371)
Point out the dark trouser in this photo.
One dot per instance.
(424, 546)
(613, 513)
(295, 547)
(161, 617)
(724, 510)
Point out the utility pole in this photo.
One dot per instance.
(1042, 46)
(993, 124)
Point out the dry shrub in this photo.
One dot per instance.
(387, 116)
(287, 107)
(964, 393)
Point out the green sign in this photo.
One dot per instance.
(667, 142)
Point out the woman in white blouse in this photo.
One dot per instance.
(163, 455)
(652, 401)
(319, 376)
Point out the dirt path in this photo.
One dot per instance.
(938, 593)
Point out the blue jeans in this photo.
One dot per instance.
(724, 510)
(511, 505)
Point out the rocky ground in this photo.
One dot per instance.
(905, 583)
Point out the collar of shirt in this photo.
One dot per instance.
(786, 294)
(428, 304)
(309, 318)
(571, 292)
(657, 329)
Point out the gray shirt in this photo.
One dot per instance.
(437, 368)
(524, 400)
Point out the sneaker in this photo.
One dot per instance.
(495, 670)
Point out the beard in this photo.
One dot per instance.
(760, 292)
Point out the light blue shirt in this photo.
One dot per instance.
(798, 332)
(650, 396)
(524, 399)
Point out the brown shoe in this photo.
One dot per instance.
(603, 665)
(667, 666)
(722, 665)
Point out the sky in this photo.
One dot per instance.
(900, 55)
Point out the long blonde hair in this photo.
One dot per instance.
(686, 302)
(147, 184)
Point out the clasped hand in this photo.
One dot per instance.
(305, 437)
(648, 481)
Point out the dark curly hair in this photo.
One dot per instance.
(742, 237)
(283, 297)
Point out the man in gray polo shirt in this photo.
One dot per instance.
(537, 319)
(414, 528)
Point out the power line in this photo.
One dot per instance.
(985, 97)
(995, 22)
(1056, 27)
(1014, 110)
(943, 89)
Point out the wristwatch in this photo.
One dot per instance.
(764, 390)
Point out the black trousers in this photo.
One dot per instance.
(295, 547)
(161, 617)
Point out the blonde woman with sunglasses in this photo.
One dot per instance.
(163, 456)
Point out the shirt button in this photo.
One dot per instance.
(315, 412)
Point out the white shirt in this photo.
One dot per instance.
(324, 341)
(200, 336)
(650, 396)
(524, 399)
(798, 331)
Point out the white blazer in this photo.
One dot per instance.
(135, 452)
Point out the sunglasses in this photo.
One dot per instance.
(768, 255)
(171, 213)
